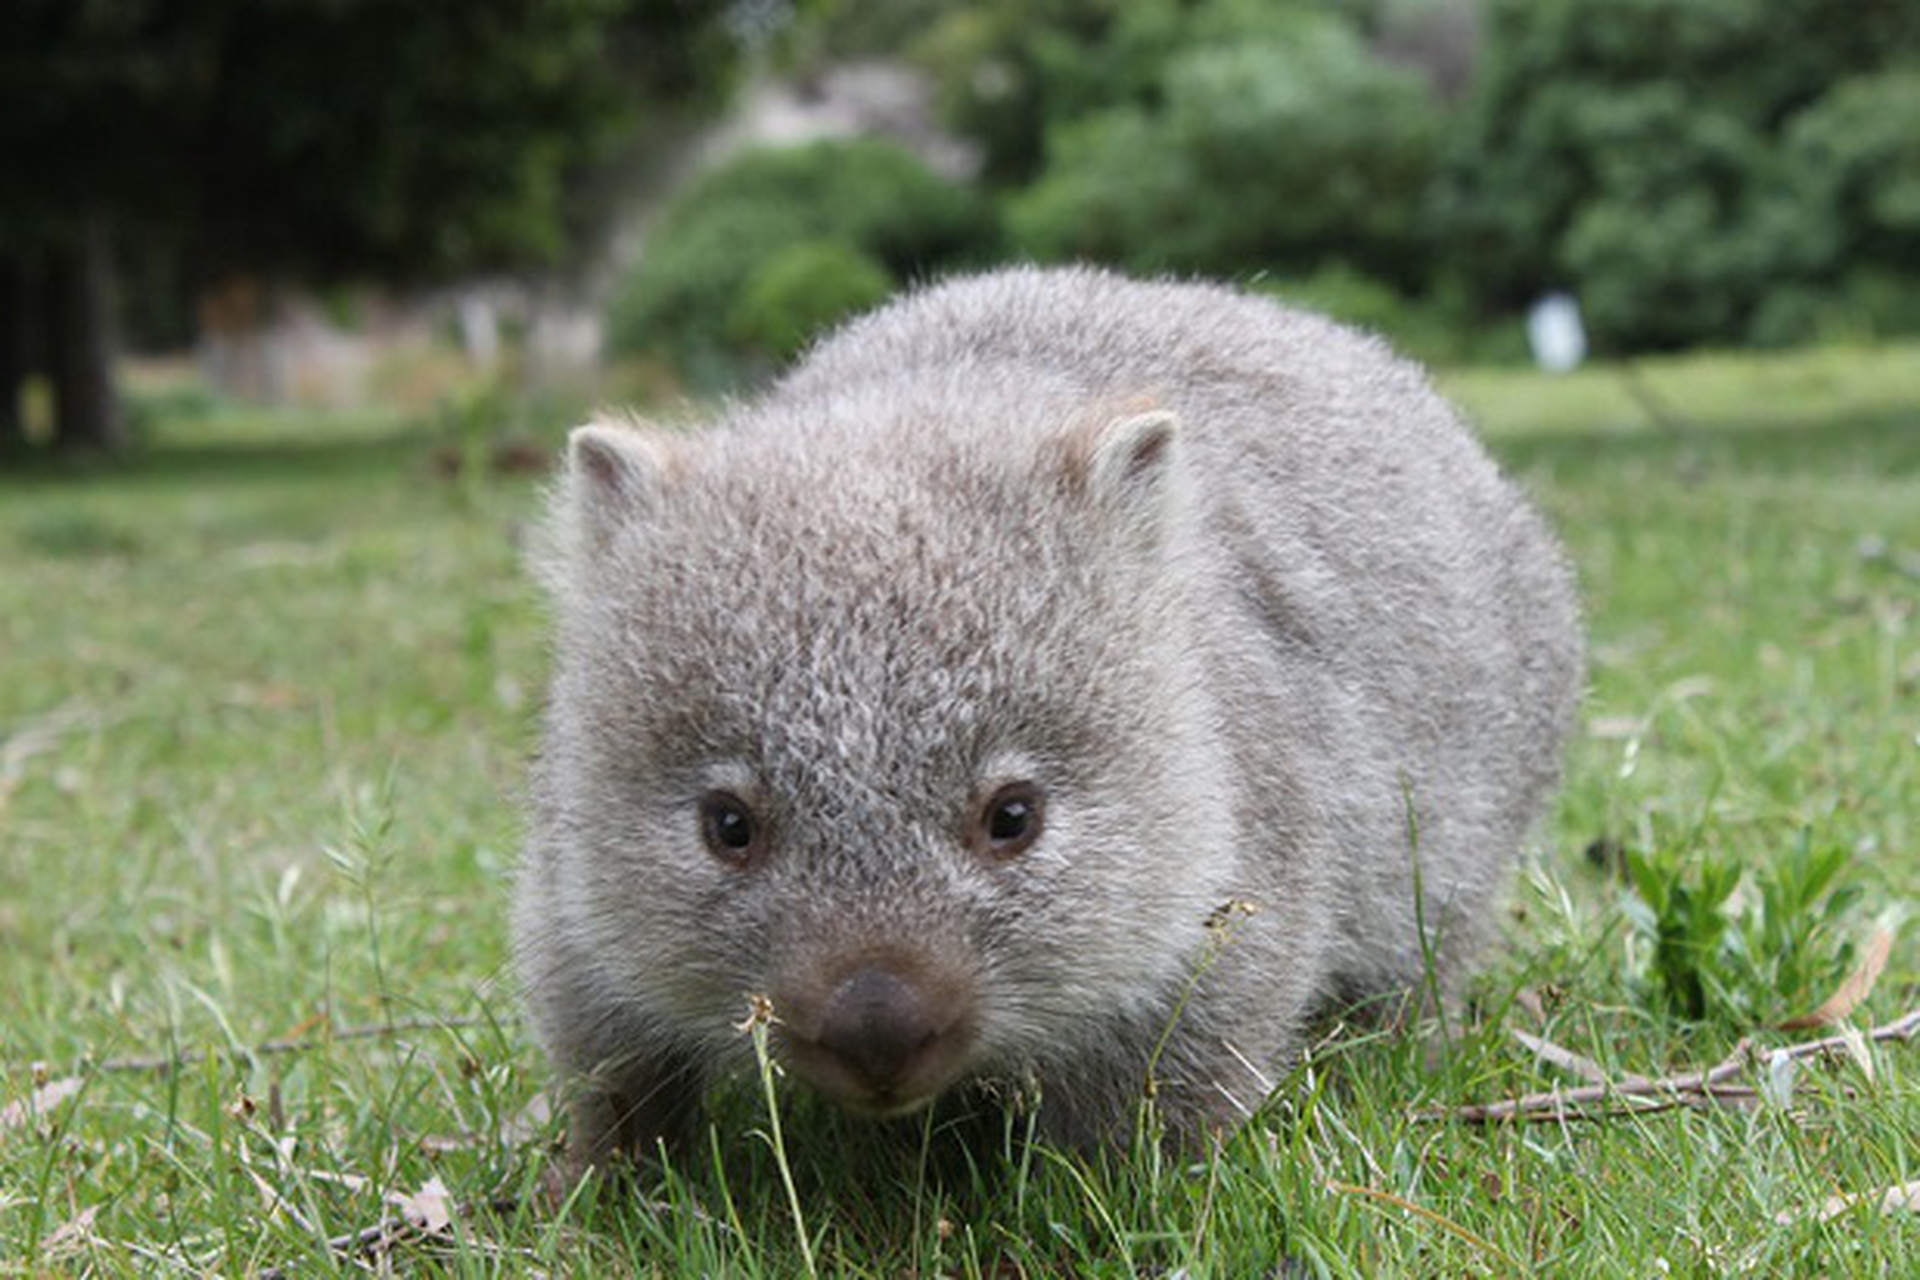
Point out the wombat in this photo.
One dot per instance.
(1056, 681)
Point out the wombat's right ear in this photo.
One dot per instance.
(613, 476)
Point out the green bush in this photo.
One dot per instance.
(802, 290)
(721, 233)
(1435, 330)
(1749, 940)
(1279, 144)
(1689, 174)
(1007, 71)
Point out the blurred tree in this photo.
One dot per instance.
(1274, 140)
(723, 284)
(1224, 136)
(1008, 70)
(1695, 170)
(299, 138)
(802, 290)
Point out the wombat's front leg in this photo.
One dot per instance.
(626, 1116)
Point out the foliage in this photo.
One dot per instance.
(409, 140)
(1437, 329)
(1283, 150)
(298, 139)
(1757, 956)
(801, 290)
(1006, 72)
(1690, 175)
(1225, 136)
(726, 228)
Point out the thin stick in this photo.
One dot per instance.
(1636, 1094)
(298, 1044)
(382, 1236)
(390, 1232)
(1565, 1059)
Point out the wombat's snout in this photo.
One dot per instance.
(885, 1038)
(876, 1025)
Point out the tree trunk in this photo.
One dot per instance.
(80, 341)
(13, 352)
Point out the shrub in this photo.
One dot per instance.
(1688, 173)
(1276, 147)
(1750, 943)
(802, 290)
(723, 231)
(1432, 330)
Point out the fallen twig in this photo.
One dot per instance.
(293, 1044)
(395, 1231)
(1714, 1086)
(1565, 1059)
(368, 1242)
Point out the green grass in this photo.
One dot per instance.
(265, 695)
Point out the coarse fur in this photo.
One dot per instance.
(1228, 584)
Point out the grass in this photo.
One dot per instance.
(265, 697)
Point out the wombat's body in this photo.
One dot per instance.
(947, 693)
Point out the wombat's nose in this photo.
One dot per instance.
(876, 1025)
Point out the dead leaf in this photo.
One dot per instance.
(21, 1111)
(76, 1230)
(1565, 1059)
(1776, 1082)
(1854, 989)
(1904, 1198)
(428, 1210)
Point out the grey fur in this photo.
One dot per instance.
(1229, 582)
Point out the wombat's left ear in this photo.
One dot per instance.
(1132, 453)
(1130, 465)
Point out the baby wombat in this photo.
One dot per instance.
(1056, 681)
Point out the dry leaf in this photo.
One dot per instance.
(42, 1100)
(1565, 1059)
(1855, 1043)
(1776, 1082)
(1854, 989)
(74, 1231)
(1904, 1198)
(429, 1210)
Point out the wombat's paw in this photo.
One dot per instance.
(572, 1177)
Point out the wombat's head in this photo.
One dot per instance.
(900, 725)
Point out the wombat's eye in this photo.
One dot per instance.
(1009, 822)
(729, 828)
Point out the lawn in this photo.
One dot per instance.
(266, 692)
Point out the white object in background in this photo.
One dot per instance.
(479, 328)
(1554, 331)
